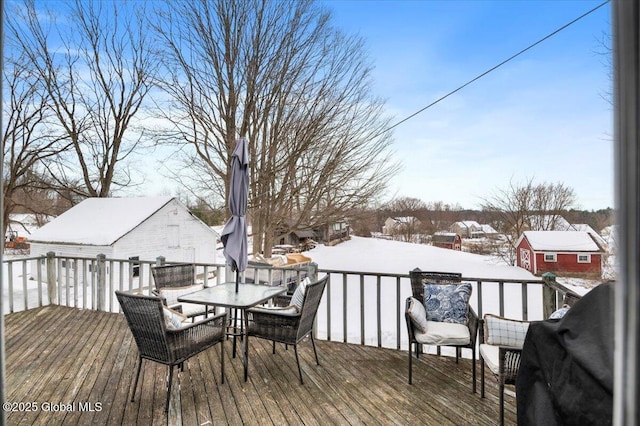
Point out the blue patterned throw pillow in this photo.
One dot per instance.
(447, 302)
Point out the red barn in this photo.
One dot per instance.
(447, 240)
(570, 253)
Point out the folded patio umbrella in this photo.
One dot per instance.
(234, 234)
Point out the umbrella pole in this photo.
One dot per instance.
(237, 279)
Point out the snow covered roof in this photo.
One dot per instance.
(559, 241)
(468, 224)
(99, 221)
(488, 229)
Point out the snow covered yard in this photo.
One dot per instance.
(368, 255)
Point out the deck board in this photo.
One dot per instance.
(66, 355)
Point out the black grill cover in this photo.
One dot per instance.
(566, 372)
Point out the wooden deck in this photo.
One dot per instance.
(74, 366)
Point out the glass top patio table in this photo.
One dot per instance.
(225, 295)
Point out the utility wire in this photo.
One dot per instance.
(492, 69)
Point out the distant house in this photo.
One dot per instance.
(128, 228)
(569, 253)
(466, 228)
(297, 238)
(448, 240)
(335, 231)
(473, 229)
(398, 225)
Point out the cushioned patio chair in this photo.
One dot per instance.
(160, 339)
(173, 281)
(289, 325)
(501, 341)
(428, 322)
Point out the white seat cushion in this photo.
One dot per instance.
(192, 309)
(491, 356)
(444, 333)
(171, 294)
(278, 310)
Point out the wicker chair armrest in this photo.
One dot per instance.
(262, 322)
(218, 320)
(473, 324)
(263, 316)
(509, 363)
(195, 337)
(410, 326)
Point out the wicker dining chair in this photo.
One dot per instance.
(501, 342)
(288, 326)
(173, 281)
(146, 317)
(440, 335)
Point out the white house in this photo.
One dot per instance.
(466, 228)
(394, 225)
(125, 228)
(473, 229)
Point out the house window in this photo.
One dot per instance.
(584, 258)
(550, 257)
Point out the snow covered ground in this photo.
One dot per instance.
(395, 257)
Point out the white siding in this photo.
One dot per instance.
(157, 236)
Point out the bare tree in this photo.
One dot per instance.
(96, 66)
(406, 211)
(26, 142)
(527, 206)
(280, 75)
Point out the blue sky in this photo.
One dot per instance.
(545, 115)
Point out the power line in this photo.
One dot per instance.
(492, 69)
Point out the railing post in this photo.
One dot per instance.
(160, 260)
(51, 278)
(313, 271)
(549, 304)
(101, 278)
